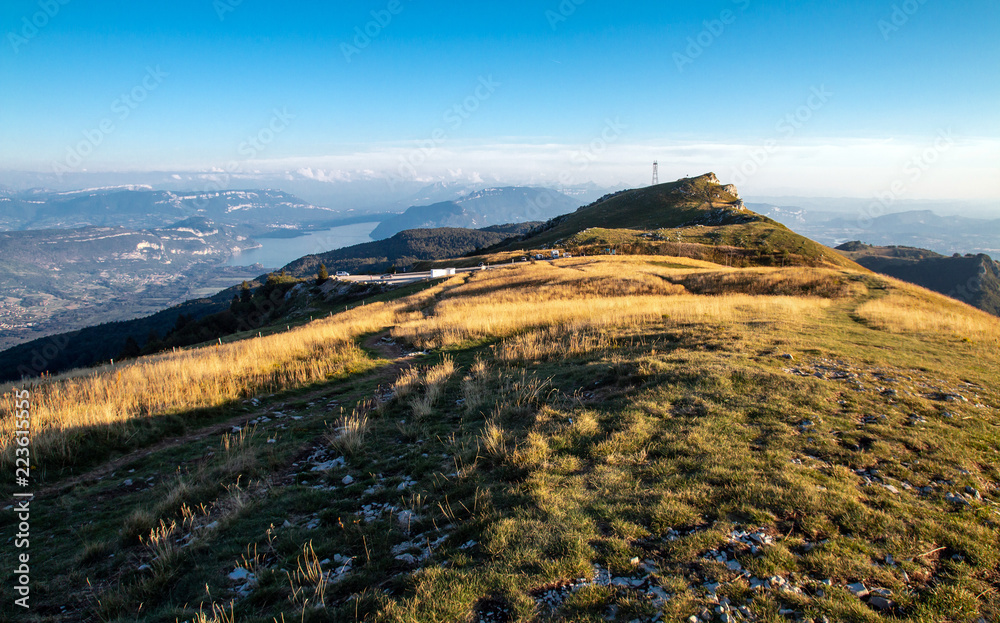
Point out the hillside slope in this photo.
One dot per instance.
(972, 279)
(589, 439)
(406, 248)
(89, 346)
(703, 219)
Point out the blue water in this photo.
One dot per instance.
(276, 252)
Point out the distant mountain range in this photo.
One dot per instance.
(972, 279)
(917, 228)
(360, 191)
(482, 208)
(138, 208)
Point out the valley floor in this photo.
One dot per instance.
(630, 438)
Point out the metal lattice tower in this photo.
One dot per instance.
(656, 172)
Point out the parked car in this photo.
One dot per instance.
(341, 273)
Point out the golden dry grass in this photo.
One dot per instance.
(550, 343)
(182, 381)
(539, 311)
(576, 295)
(474, 385)
(586, 294)
(570, 280)
(434, 381)
(348, 434)
(309, 582)
(459, 320)
(406, 383)
(822, 282)
(906, 310)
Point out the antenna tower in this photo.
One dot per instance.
(656, 173)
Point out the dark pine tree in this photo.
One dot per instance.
(153, 343)
(131, 349)
(181, 322)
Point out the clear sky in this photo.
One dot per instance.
(845, 98)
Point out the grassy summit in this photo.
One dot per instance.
(695, 217)
(638, 437)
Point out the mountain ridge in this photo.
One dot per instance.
(149, 209)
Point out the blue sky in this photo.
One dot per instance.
(698, 85)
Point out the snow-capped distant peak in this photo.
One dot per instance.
(133, 187)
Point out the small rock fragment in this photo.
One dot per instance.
(956, 499)
(240, 574)
(858, 588)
